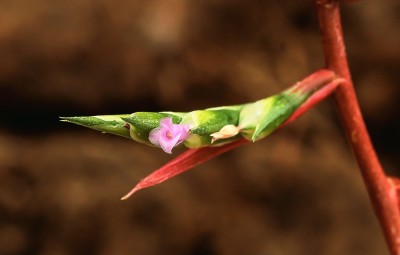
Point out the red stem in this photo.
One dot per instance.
(381, 192)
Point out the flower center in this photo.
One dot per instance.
(169, 135)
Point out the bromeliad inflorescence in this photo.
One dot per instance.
(212, 131)
(209, 127)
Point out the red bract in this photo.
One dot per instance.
(183, 162)
(324, 80)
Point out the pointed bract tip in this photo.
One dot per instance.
(67, 119)
(130, 193)
(254, 137)
(112, 124)
(79, 120)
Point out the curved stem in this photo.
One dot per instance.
(381, 192)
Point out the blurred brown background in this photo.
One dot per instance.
(297, 192)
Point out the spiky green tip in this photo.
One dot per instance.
(113, 124)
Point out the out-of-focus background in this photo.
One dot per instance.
(297, 192)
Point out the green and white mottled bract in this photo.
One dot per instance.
(209, 127)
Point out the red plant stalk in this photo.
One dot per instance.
(194, 157)
(382, 193)
(395, 182)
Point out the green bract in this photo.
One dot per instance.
(113, 124)
(259, 119)
(206, 122)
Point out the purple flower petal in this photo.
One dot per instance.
(168, 143)
(168, 135)
(166, 122)
(154, 136)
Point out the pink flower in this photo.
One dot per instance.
(168, 135)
